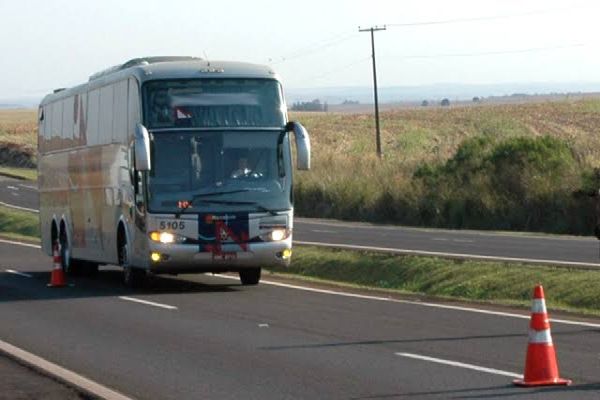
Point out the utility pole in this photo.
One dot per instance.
(377, 131)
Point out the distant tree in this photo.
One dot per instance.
(476, 99)
(445, 102)
(314, 105)
(425, 103)
(350, 102)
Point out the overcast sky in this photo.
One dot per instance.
(56, 43)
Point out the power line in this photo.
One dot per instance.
(478, 19)
(315, 47)
(492, 53)
(341, 68)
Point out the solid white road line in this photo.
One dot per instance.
(18, 208)
(12, 271)
(461, 365)
(148, 303)
(418, 303)
(359, 296)
(62, 373)
(451, 255)
(35, 246)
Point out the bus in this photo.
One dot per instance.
(168, 165)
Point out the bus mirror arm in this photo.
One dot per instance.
(302, 145)
(142, 148)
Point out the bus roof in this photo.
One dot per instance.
(160, 68)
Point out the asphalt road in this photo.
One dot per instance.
(220, 340)
(570, 250)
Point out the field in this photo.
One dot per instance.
(512, 166)
(484, 167)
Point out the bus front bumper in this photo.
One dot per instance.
(181, 258)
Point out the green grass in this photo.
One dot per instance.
(19, 224)
(23, 173)
(491, 282)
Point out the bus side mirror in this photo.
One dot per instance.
(141, 146)
(302, 145)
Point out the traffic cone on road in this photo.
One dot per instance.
(541, 368)
(57, 278)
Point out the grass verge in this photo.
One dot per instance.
(19, 173)
(570, 290)
(18, 224)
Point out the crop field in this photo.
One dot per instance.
(512, 166)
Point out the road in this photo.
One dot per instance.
(201, 336)
(208, 337)
(550, 249)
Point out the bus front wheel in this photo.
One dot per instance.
(132, 277)
(250, 276)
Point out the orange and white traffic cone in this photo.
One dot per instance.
(57, 278)
(541, 368)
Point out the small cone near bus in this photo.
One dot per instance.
(541, 367)
(57, 277)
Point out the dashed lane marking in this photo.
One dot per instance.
(460, 365)
(12, 271)
(148, 303)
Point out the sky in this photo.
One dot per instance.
(311, 43)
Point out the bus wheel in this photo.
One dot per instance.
(132, 277)
(68, 266)
(250, 276)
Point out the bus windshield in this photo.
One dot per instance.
(220, 171)
(213, 103)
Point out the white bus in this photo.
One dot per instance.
(169, 165)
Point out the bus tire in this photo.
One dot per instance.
(132, 277)
(250, 276)
(69, 265)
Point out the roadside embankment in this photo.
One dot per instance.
(490, 282)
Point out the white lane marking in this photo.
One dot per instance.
(12, 271)
(461, 365)
(29, 187)
(35, 246)
(61, 373)
(18, 208)
(418, 303)
(322, 231)
(360, 296)
(451, 255)
(12, 187)
(440, 239)
(148, 303)
(403, 229)
(263, 325)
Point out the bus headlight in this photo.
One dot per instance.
(166, 237)
(276, 235)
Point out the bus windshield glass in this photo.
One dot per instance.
(213, 103)
(220, 171)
